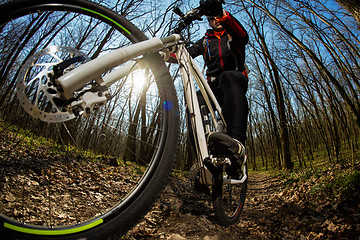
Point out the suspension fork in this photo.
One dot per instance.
(92, 70)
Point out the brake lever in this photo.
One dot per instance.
(193, 14)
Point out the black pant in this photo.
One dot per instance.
(230, 90)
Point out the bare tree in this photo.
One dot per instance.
(352, 6)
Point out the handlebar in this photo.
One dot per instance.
(178, 12)
(187, 18)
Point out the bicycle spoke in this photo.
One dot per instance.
(60, 169)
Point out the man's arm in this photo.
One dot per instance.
(232, 26)
(197, 48)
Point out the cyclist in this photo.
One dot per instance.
(223, 49)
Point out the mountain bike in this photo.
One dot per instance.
(89, 122)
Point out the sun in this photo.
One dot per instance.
(138, 80)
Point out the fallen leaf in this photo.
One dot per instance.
(10, 197)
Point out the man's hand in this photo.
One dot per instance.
(211, 8)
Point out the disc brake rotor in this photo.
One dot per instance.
(36, 93)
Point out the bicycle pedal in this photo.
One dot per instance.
(221, 161)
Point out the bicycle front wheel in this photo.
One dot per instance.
(69, 177)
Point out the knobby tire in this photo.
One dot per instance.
(23, 133)
(228, 202)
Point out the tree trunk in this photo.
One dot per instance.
(280, 103)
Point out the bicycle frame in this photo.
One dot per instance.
(79, 77)
(188, 68)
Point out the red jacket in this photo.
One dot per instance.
(225, 52)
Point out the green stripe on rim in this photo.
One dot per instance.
(53, 231)
(102, 15)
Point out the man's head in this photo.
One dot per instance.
(215, 25)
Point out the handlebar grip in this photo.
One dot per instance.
(186, 19)
(178, 12)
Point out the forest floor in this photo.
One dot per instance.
(308, 204)
(274, 209)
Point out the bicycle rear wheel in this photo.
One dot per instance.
(228, 201)
(67, 177)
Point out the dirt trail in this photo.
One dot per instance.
(182, 214)
(272, 211)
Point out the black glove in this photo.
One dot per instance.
(211, 8)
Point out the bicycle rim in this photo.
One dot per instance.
(228, 202)
(65, 179)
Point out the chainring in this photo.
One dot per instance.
(35, 91)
